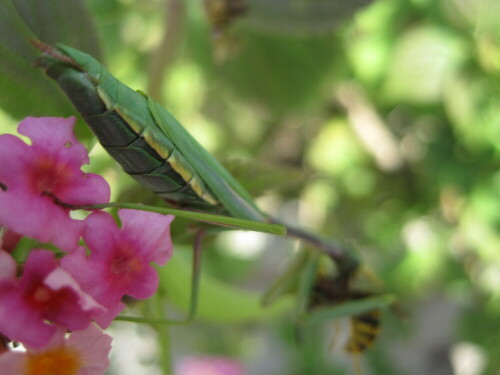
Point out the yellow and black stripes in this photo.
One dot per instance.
(365, 328)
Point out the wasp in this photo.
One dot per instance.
(335, 290)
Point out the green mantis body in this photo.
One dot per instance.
(147, 141)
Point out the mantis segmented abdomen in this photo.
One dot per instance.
(121, 120)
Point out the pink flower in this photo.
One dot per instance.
(209, 366)
(38, 182)
(82, 353)
(120, 260)
(43, 295)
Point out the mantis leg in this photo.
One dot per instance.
(284, 282)
(195, 276)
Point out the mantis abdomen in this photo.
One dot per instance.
(122, 122)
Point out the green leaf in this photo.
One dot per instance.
(60, 21)
(25, 91)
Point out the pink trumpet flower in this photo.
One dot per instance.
(43, 298)
(39, 183)
(120, 259)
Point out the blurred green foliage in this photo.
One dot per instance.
(377, 124)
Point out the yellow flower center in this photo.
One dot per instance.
(58, 361)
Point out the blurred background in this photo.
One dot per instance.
(375, 123)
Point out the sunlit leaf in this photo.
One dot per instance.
(24, 90)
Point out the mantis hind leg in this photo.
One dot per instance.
(195, 275)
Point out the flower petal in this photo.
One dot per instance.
(36, 180)
(18, 154)
(150, 232)
(18, 321)
(43, 295)
(54, 136)
(76, 315)
(145, 285)
(40, 218)
(12, 362)
(100, 234)
(7, 266)
(87, 189)
(94, 346)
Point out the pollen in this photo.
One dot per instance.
(58, 361)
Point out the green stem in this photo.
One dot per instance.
(163, 337)
(225, 221)
(153, 321)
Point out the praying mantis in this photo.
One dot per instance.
(157, 151)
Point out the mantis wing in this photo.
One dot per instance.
(230, 193)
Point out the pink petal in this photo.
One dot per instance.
(12, 362)
(19, 322)
(40, 218)
(57, 339)
(7, 266)
(38, 265)
(45, 293)
(150, 232)
(105, 320)
(18, 154)
(145, 284)
(78, 314)
(54, 136)
(92, 276)
(209, 365)
(88, 274)
(93, 346)
(86, 190)
(100, 234)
